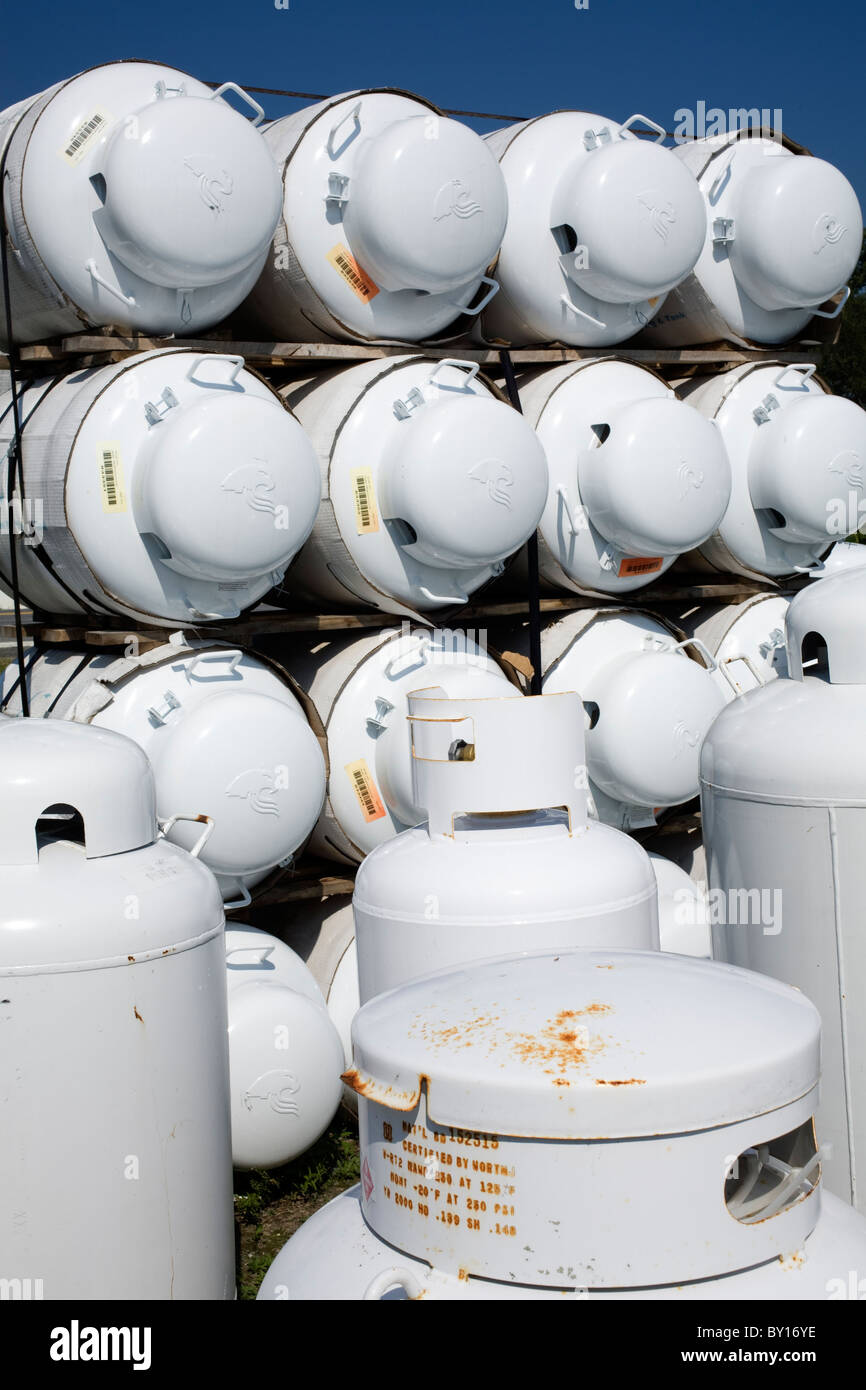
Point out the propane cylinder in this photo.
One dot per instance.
(169, 487)
(636, 477)
(783, 792)
(285, 1054)
(169, 200)
(684, 924)
(627, 1125)
(323, 935)
(746, 639)
(115, 1167)
(796, 454)
(359, 688)
(783, 233)
(601, 225)
(391, 215)
(226, 732)
(646, 706)
(508, 858)
(430, 481)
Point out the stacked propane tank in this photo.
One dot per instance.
(470, 895)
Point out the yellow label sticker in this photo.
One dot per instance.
(365, 790)
(357, 279)
(640, 564)
(111, 478)
(95, 125)
(364, 493)
(654, 301)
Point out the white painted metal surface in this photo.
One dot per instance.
(430, 481)
(483, 1161)
(174, 486)
(601, 224)
(225, 734)
(136, 196)
(636, 478)
(360, 688)
(115, 1174)
(508, 859)
(783, 235)
(797, 456)
(285, 1054)
(783, 792)
(684, 924)
(747, 640)
(391, 216)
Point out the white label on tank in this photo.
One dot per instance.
(364, 493)
(111, 478)
(95, 125)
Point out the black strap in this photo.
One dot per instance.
(533, 592)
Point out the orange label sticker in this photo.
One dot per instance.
(365, 790)
(345, 264)
(640, 564)
(654, 301)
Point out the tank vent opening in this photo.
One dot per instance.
(401, 531)
(601, 432)
(59, 822)
(592, 713)
(768, 1179)
(771, 518)
(565, 237)
(814, 655)
(98, 181)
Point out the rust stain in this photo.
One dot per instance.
(604, 967)
(137, 1014)
(558, 1046)
(130, 958)
(632, 1081)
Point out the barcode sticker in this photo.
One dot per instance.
(111, 478)
(96, 124)
(365, 790)
(364, 493)
(639, 564)
(345, 264)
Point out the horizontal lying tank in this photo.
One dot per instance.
(169, 199)
(323, 936)
(359, 687)
(783, 234)
(783, 793)
(796, 454)
(636, 477)
(844, 555)
(172, 487)
(285, 1054)
(684, 923)
(227, 733)
(647, 706)
(391, 215)
(508, 858)
(601, 224)
(115, 1167)
(747, 640)
(483, 1091)
(430, 481)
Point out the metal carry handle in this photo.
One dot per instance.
(207, 821)
(408, 661)
(711, 662)
(259, 953)
(822, 313)
(581, 313)
(238, 364)
(128, 300)
(748, 663)
(807, 368)
(244, 96)
(471, 368)
(233, 656)
(243, 901)
(395, 1277)
(653, 125)
(494, 289)
(354, 115)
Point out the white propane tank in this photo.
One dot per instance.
(601, 224)
(783, 234)
(115, 1167)
(646, 706)
(844, 555)
(636, 476)
(783, 793)
(285, 1055)
(430, 481)
(483, 1094)
(747, 640)
(797, 467)
(226, 732)
(323, 936)
(391, 215)
(359, 686)
(508, 858)
(173, 486)
(684, 924)
(169, 200)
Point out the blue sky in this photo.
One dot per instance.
(514, 57)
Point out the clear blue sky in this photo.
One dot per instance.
(515, 56)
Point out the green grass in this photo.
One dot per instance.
(270, 1206)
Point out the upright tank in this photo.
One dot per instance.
(430, 482)
(783, 792)
(582, 1125)
(115, 1166)
(783, 233)
(391, 215)
(136, 196)
(636, 477)
(508, 858)
(172, 487)
(227, 733)
(601, 225)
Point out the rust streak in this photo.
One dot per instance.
(632, 1081)
(137, 1014)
